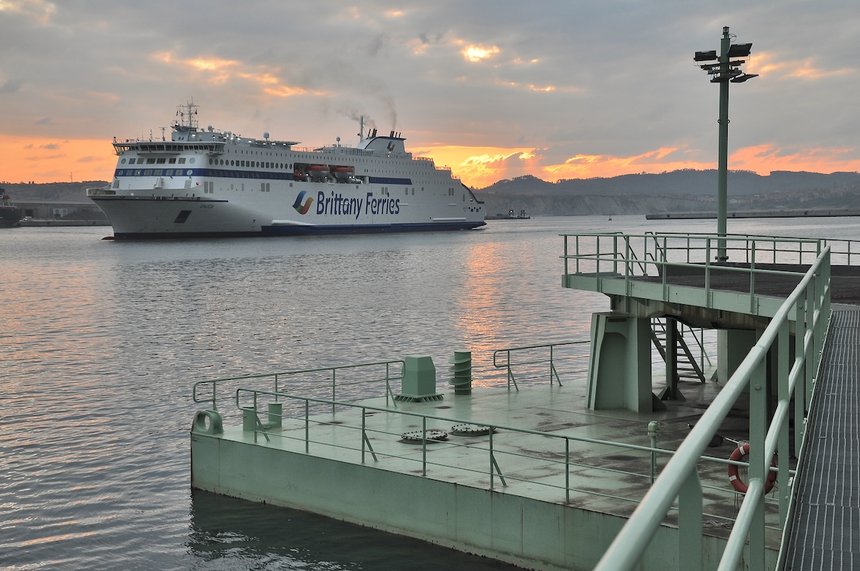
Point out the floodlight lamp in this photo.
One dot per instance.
(744, 77)
(740, 50)
(705, 56)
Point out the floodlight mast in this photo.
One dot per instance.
(725, 70)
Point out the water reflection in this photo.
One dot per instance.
(227, 533)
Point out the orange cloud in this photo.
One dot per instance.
(767, 63)
(480, 166)
(587, 166)
(219, 71)
(52, 160)
(766, 158)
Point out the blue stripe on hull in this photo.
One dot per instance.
(369, 228)
(303, 231)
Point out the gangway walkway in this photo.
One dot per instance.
(825, 529)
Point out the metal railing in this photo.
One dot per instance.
(807, 310)
(842, 251)
(533, 358)
(207, 391)
(590, 252)
(689, 254)
(496, 458)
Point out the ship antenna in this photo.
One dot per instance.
(360, 128)
(188, 115)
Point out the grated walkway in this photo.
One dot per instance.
(825, 530)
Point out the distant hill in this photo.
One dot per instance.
(676, 191)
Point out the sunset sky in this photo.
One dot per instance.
(557, 89)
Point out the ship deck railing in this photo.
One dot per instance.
(800, 305)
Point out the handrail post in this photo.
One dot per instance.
(783, 396)
(810, 349)
(752, 280)
(333, 389)
(615, 253)
(758, 469)
(307, 427)
(653, 427)
(567, 470)
(423, 445)
(492, 473)
(800, 383)
(363, 433)
(387, 385)
(276, 387)
(564, 249)
(690, 523)
(708, 272)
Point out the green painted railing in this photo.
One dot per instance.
(644, 259)
(493, 458)
(532, 356)
(841, 251)
(806, 313)
(207, 391)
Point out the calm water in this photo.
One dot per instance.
(101, 341)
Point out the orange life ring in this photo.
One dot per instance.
(739, 454)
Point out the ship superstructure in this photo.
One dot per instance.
(210, 182)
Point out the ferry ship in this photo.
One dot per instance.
(217, 183)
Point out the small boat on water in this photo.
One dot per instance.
(510, 215)
(206, 182)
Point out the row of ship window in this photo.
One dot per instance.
(156, 161)
(219, 162)
(206, 172)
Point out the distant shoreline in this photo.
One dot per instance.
(35, 223)
(788, 213)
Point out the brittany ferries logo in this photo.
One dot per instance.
(302, 204)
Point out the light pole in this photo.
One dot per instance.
(726, 69)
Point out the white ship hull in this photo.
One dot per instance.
(210, 183)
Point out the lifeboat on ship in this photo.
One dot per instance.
(318, 172)
(343, 173)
